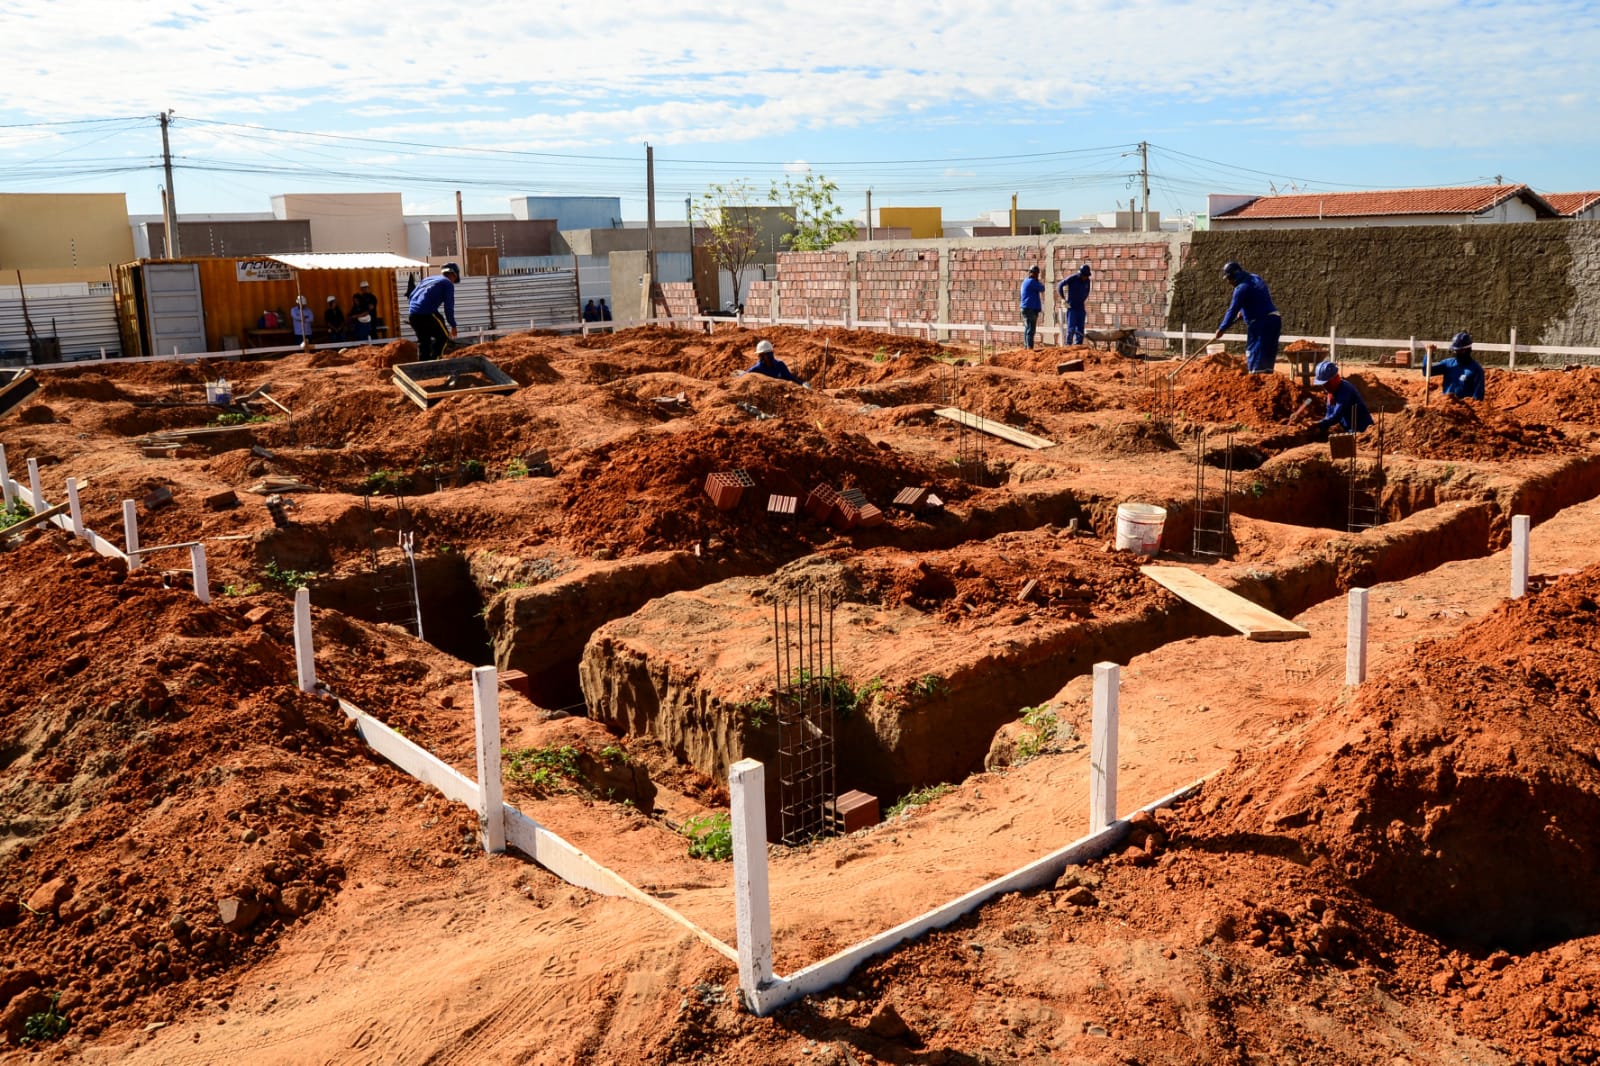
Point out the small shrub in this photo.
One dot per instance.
(930, 686)
(49, 1024)
(16, 512)
(516, 468)
(917, 798)
(230, 589)
(756, 712)
(381, 481)
(237, 418)
(1258, 489)
(710, 837)
(1041, 723)
(473, 470)
(614, 753)
(286, 579)
(544, 769)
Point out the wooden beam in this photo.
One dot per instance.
(1250, 619)
(994, 429)
(33, 520)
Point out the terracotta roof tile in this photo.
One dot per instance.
(1459, 201)
(1571, 203)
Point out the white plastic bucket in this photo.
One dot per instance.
(1139, 527)
(219, 392)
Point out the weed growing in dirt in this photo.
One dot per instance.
(929, 686)
(516, 468)
(1041, 723)
(614, 753)
(286, 579)
(473, 470)
(832, 687)
(756, 712)
(382, 481)
(14, 512)
(710, 837)
(1258, 489)
(45, 1025)
(871, 692)
(237, 418)
(918, 798)
(230, 589)
(543, 769)
(881, 355)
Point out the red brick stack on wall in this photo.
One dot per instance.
(1130, 282)
(811, 285)
(680, 300)
(901, 285)
(986, 286)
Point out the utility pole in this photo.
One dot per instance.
(1144, 185)
(461, 237)
(1013, 214)
(650, 220)
(170, 206)
(869, 214)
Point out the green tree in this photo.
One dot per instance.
(728, 216)
(815, 221)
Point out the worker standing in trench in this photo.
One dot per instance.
(1463, 375)
(1346, 407)
(1263, 324)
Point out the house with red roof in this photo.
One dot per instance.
(1583, 206)
(1468, 205)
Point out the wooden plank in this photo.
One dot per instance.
(994, 429)
(1250, 619)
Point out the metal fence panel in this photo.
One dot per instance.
(545, 300)
(84, 324)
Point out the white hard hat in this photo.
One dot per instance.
(300, 300)
(333, 299)
(764, 348)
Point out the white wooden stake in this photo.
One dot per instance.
(202, 581)
(1333, 339)
(1513, 352)
(33, 487)
(752, 915)
(486, 711)
(5, 478)
(1355, 643)
(1519, 555)
(75, 509)
(304, 654)
(130, 533)
(1411, 349)
(1103, 748)
(1185, 352)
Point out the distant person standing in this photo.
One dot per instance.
(605, 312)
(1075, 290)
(591, 313)
(1032, 304)
(433, 312)
(1263, 324)
(363, 313)
(1463, 375)
(333, 319)
(304, 321)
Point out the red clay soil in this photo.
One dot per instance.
(1216, 389)
(1547, 396)
(163, 777)
(1447, 428)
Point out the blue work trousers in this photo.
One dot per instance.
(1075, 320)
(1261, 344)
(1030, 326)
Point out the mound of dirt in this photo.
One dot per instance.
(1128, 438)
(383, 357)
(648, 493)
(1546, 396)
(1216, 389)
(169, 793)
(1449, 428)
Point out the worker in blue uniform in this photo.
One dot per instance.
(1346, 408)
(1032, 304)
(433, 312)
(1263, 324)
(768, 364)
(1463, 375)
(1075, 290)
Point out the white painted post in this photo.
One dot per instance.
(304, 653)
(752, 915)
(486, 712)
(130, 532)
(74, 508)
(1103, 748)
(1333, 338)
(5, 478)
(1519, 555)
(202, 580)
(102, 351)
(1513, 352)
(1186, 340)
(1411, 350)
(33, 486)
(1355, 641)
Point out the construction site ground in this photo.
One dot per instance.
(199, 862)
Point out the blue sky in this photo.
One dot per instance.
(954, 104)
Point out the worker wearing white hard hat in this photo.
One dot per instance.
(768, 364)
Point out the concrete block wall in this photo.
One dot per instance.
(986, 284)
(902, 285)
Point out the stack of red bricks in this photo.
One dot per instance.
(902, 283)
(814, 285)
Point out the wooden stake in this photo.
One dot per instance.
(1355, 644)
(486, 714)
(1520, 525)
(304, 652)
(752, 913)
(1103, 750)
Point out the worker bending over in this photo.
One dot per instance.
(1263, 324)
(1463, 375)
(768, 364)
(432, 306)
(1346, 409)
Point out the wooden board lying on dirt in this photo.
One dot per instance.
(428, 382)
(1253, 620)
(16, 386)
(994, 429)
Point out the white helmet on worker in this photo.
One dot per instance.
(765, 348)
(301, 300)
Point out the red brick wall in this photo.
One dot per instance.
(901, 284)
(986, 286)
(680, 299)
(1130, 282)
(811, 284)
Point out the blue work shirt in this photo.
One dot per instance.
(1075, 289)
(1250, 298)
(776, 368)
(433, 294)
(1346, 407)
(1463, 377)
(1032, 294)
